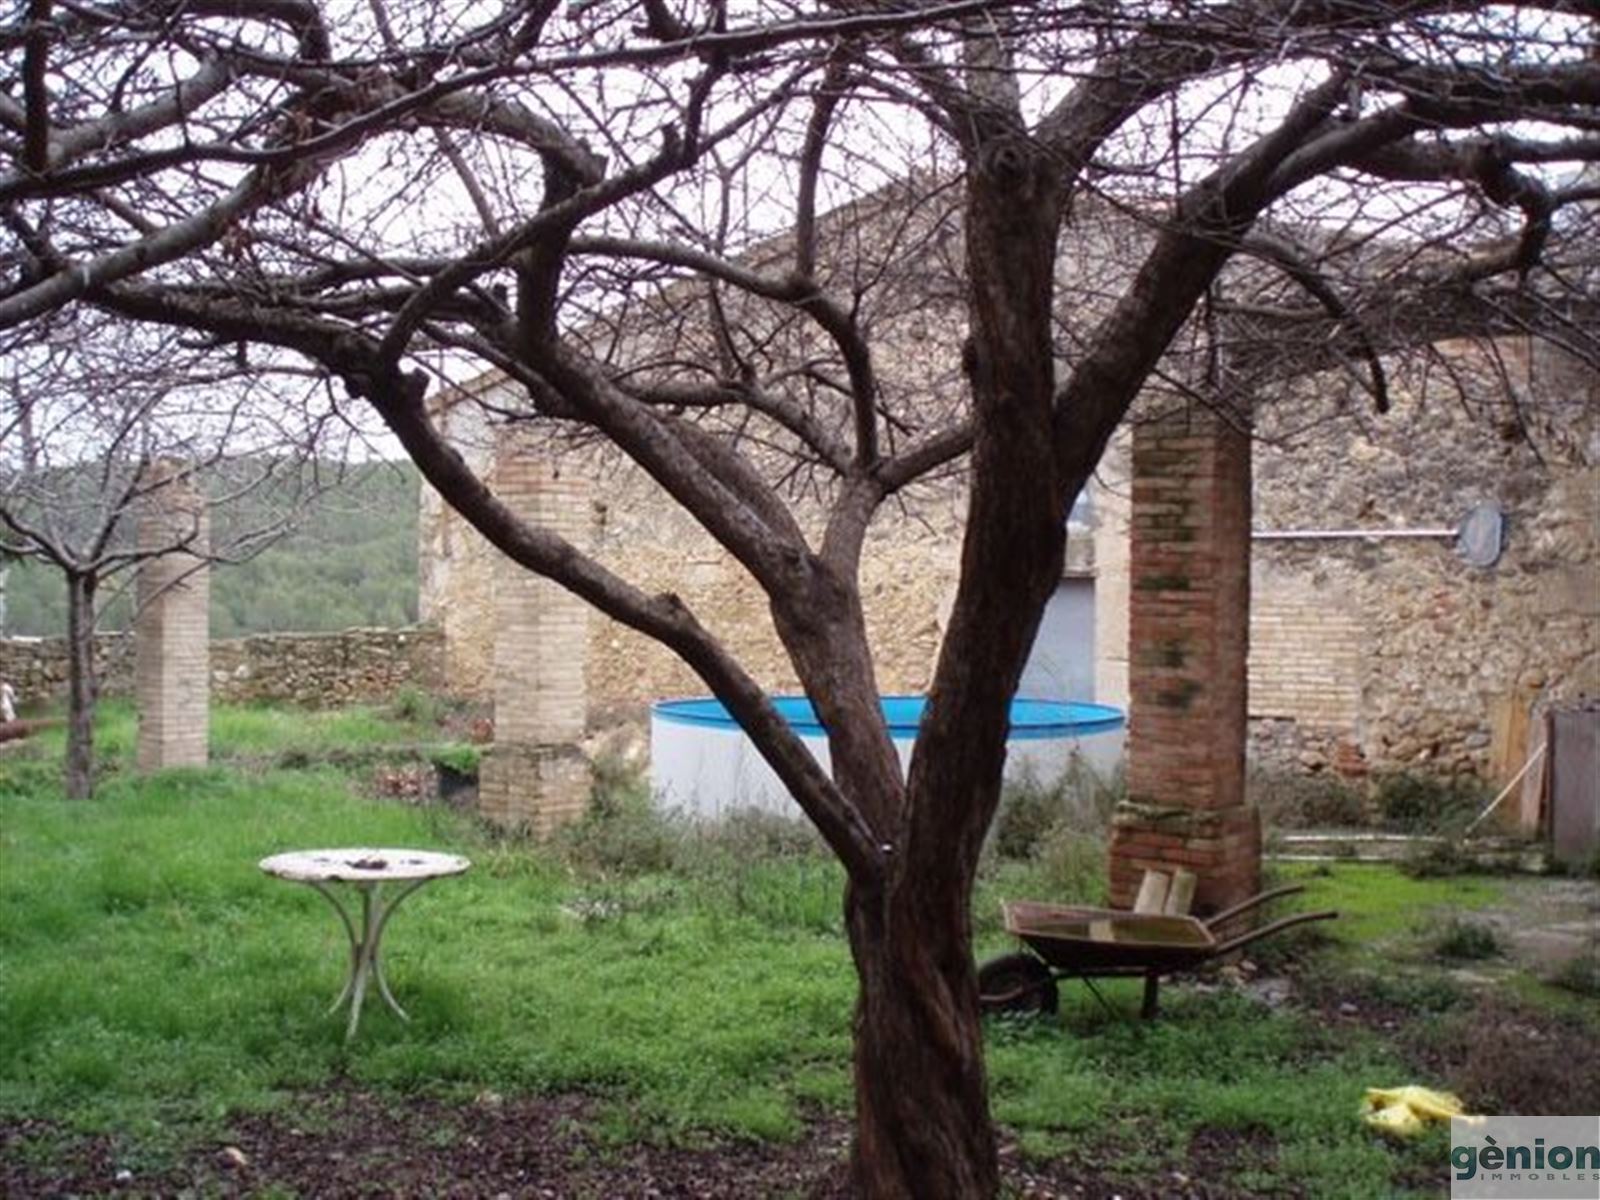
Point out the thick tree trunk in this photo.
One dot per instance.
(923, 1129)
(922, 1109)
(82, 686)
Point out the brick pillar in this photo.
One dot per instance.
(535, 777)
(172, 632)
(1188, 638)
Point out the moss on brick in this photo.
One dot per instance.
(1180, 695)
(1163, 583)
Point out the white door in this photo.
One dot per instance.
(1061, 666)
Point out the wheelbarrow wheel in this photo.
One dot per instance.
(1017, 983)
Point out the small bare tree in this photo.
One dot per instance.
(623, 207)
(98, 422)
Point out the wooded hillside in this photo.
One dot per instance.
(351, 561)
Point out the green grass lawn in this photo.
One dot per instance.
(258, 731)
(155, 981)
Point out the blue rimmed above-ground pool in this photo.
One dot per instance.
(702, 762)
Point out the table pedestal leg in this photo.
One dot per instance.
(366, 963)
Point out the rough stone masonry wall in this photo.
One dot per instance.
(1367, 655)
(326, 670)
(316, 670)
(37, 667)
(908, 580)
(1397, 655)
(455, 565)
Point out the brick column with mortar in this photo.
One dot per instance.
(172, 631)
(1188, 643)
(535, 777)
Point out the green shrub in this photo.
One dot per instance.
(618, 784)
(28, 776)
(414, 704)
(1580, 975)
(1414, 803)
(1436, 860)
(622, 832)
(751, 835)
(463, 758)
(1028, 811)
(1073, 863)
(1439, 858)
(1079, 799)
(1292, 800)
(1466, 941)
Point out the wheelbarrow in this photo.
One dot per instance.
(1069, 942)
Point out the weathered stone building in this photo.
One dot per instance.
(909, 574)
(1365, 652)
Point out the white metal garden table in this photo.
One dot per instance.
(366, 870)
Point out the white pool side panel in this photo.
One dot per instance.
(710, 769)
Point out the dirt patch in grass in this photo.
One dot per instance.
(1498, 1055)
(1215, 1157)
(1215, 1152)
(345, 1143)
(1509, 1058)
(349, 1143)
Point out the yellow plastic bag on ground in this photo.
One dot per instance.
(1403, 1111)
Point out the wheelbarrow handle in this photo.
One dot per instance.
(1256, 901)
(1282, 923)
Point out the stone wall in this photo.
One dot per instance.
(909, 570)
(1366, 654)
(908, 583)
(37, 667)
(1395, 654)
(317, 670)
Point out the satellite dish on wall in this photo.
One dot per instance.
(1482, 534)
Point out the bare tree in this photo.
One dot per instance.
(99, 422)
(401, 193)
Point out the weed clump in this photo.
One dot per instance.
(1289, 800)
(626, 833)
(1466, 941)
(623, 832)
(463, 758)
(414, 704)
(1410, 802)
(1437, 859)
(1035, 814)
(1028, 811)
(1580, 975)
(1073, 864)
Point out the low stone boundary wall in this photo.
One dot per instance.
(312, 669)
